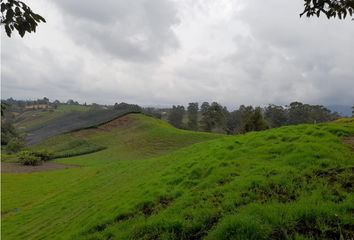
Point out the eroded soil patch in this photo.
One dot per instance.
(19, 168)
(349, 141)
(122, 122)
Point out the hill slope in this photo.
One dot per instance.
(29, 119)
(40, 125)
(288, 183)
(133, 136)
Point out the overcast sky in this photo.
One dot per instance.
(160, 52)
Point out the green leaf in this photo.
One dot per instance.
(3, 7)
(8, 30)
(17, 11)
(9, 14)
(39, 18)
(22, 32)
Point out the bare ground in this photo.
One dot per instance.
(122, 122)
(46, 166)
(349, 141)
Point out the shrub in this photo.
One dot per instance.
(28, 158)
(43, 155)
(14, 145)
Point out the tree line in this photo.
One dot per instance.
(213, 117)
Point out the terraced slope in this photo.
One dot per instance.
(287, 183)
(39, 125)
(35, 118)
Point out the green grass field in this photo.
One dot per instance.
(153, 181)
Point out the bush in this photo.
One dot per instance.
(43, 155)
(14, 145)
(28, 158)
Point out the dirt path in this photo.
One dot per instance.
(349, 141)
(47, 166)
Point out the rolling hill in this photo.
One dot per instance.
(40, 125)
(152, 181)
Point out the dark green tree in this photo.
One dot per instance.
(3, 108)
(127, 106)
(298, 113)
(275, 115)
(213, 118)
(232, 122)
(204, 107)
(244, 114)
(175, 116)
(305, 113)
(16, 15)
(330, 8)
(8, 132)
(72, 102)
(256, 121)
(319, 113)
(192, 110)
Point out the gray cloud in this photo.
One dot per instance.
(131, 30)
(159, 52)
(291, 58)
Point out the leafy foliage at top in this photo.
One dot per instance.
(17, 15)
(331, 8)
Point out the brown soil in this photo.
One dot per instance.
(47, 166)
(349, 141)
(85, 133)
(122, 122)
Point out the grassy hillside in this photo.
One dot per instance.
(40, 125)
(152, 182)
(133, 136)
(35, 118)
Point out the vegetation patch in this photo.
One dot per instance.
(77, 148)
(29, 158)
(342, 176)
(44, 167)
(146, 209)
(273, 191)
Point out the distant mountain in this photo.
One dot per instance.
(345, 111)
